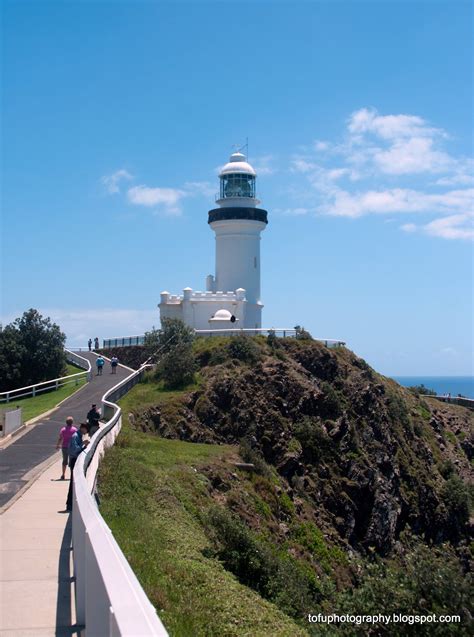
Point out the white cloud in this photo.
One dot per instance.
(167, 198)
(389, 127)
(452, 227)
(299, 165)
(112, 182)
(387, 153)
(346, 204)
(415, 155)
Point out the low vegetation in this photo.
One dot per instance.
(322, 487)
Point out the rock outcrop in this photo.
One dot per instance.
(370, 457)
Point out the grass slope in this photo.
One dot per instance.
(152, 494)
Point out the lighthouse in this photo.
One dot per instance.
(232, 298)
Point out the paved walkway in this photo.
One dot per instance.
(19, 459)
(36, 584)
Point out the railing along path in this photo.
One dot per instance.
(109, 598)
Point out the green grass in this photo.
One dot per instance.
(35, 406)
(151, 393)
(153, 494)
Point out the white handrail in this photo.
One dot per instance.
(109, 597)
(121, 341)
(32, 390)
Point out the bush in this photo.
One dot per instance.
(456, 499)
(302, 334)
(252, 456)
(243, 349)
(421, 390)
(427, 581)
(277, 577)
(331, 403)
(272, 340)
(176, 364)
(313, 439)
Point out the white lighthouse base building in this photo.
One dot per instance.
(232, 299)
(210, 310)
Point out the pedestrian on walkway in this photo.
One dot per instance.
(89, 343)
(93, 419)
(76, 446)
(96, 342)
(113, 364)
(100, 362)
(64, 439)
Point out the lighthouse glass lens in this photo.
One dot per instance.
(238, 186)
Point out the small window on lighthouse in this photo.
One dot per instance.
(255, 262)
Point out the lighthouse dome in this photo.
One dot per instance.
(222, 315)
(237, 164)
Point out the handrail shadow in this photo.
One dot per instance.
(64, 600)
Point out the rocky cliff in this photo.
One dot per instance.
(362, 457)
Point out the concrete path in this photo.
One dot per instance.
(36, 576)
(36, 585)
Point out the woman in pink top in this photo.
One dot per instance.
(65, 436)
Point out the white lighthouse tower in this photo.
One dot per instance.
(232, 298)
(238, 224)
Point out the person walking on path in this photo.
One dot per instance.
(113, 364)
(64, 439)
(76, 446)
(96, 342)
(93, 419)
(100, 362)
(89, 343)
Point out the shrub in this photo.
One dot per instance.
(272, 340)
(313, 439)
(421, 390)
(243, 349)
(331, 403)
(293, 587)
(302, 334)
(456, 499)
(254, 457)
(426, 581)
(176, 364)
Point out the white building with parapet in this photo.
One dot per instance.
(232, 297)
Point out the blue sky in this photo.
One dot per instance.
(116, 116)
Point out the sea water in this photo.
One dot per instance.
(453, 385)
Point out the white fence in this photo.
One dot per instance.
(453, 400)
(109, 599)
(282, 332)
(50, 385)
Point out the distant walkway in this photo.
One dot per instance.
(36, 586)
(36, 446)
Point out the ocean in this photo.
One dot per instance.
(453, 385)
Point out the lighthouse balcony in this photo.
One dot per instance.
(234, 212)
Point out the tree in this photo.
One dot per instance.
(174, 353)
(31, 351)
